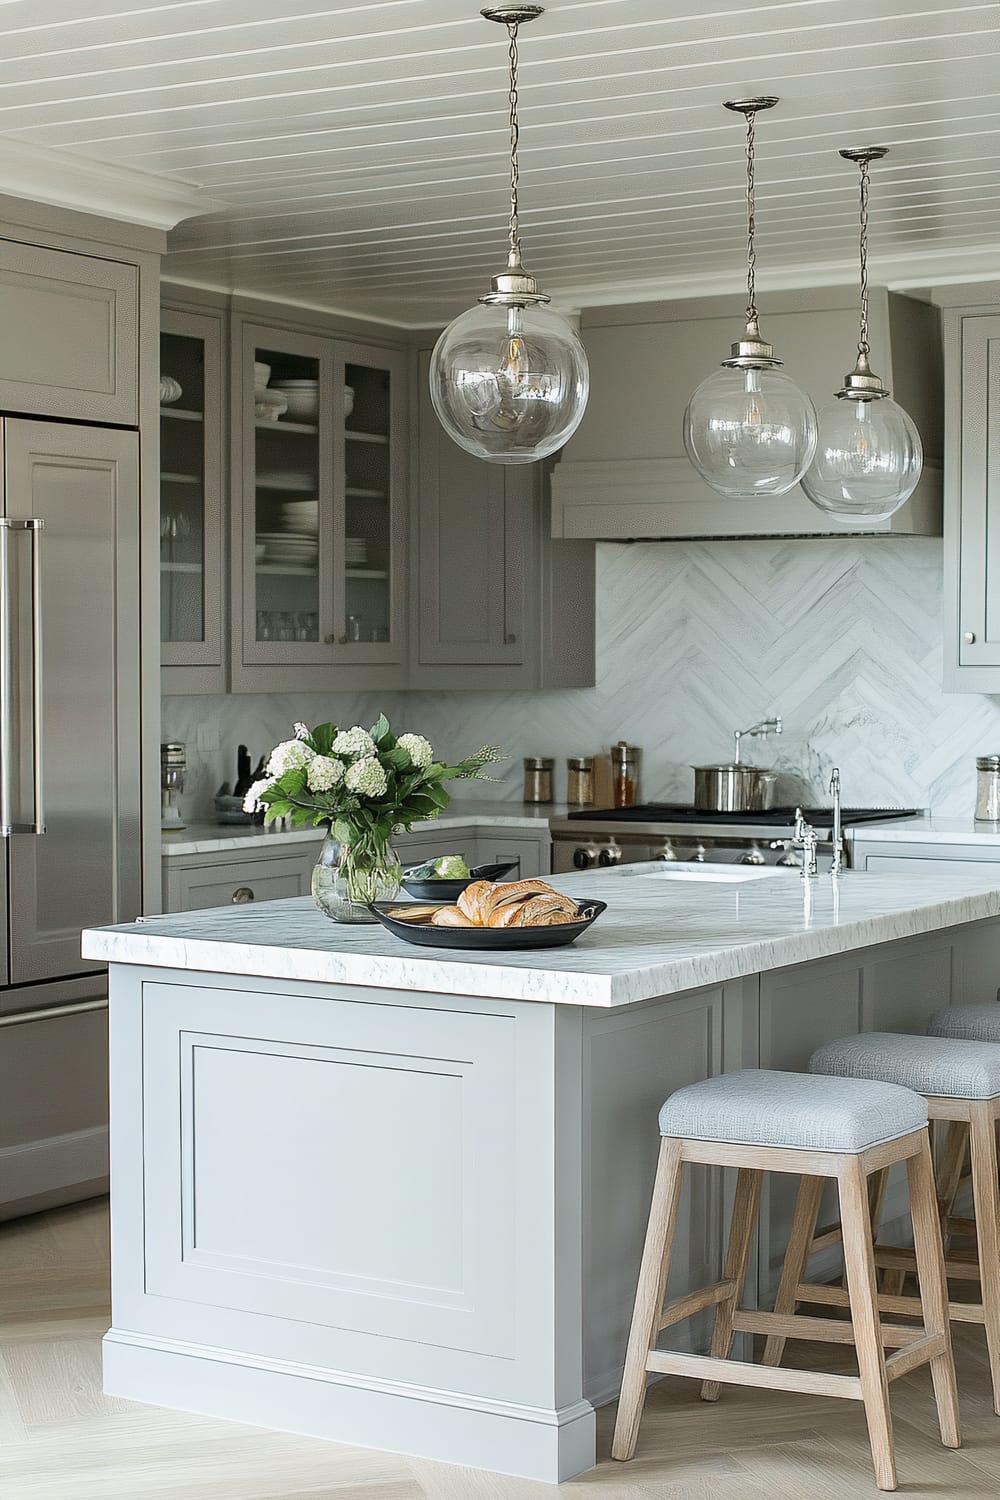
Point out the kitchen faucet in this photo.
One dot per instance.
(765, 726)
(807, 839)
(838, 842)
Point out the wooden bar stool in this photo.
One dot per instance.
(960, 1023)
(814, 1128)
(960, 1081)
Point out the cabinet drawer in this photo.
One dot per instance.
(533, 856)
(251, 880)
(901, 865)
(70, 335)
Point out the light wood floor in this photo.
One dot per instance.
(61, 1439)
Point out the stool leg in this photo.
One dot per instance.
(949, 1173)
(859, 1261)
(649, 1295)
(796, 1259)
(744, 1221)
(983, 1140)
(933, 1289)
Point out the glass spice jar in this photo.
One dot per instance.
(988, 789)
(625, 774)
(580, 780)
(538, 778)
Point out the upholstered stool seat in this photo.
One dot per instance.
(967, 1023)
(763, 1108)
(960, 1080)
(847, 1129)
(929, 1065)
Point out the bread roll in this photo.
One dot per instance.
(451, 916)
(471, 902)
(420, 915)
(511, 894)
(506, 916)
(544, 911)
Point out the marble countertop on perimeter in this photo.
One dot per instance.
(221, 838)
(659, 936)
(927, 830)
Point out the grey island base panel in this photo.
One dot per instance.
(411, 1219)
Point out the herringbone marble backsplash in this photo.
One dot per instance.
(843, 638)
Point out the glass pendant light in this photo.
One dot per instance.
(869, 457)
(509, 379)
(748, 429)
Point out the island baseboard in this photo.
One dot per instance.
(453, 1427)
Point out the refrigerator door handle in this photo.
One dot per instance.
(7, 823)
(36, 527)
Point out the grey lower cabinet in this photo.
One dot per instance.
(194, 881)
(495, 603)
(891, 857)
(71, 335)
(972, 510)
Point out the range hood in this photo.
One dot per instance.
(625, 476)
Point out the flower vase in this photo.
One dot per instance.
(347, 876)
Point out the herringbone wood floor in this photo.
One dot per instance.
(61, 1439)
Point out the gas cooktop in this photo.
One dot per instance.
(681, 812)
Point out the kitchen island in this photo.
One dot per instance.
(395, 1196)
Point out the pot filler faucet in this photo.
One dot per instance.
(766, 726)
(838, 843)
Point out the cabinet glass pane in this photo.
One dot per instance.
(182, 488)
(286, 496)
(367, 560)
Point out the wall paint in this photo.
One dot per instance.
(843, 638)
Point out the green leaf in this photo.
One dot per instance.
(279, 809)
(301, 816)
(382, 734)
(323, 737)
(436, 794)
(293, 782)
(344, 832)
(396, 758)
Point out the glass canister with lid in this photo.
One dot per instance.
(538, 778)
(625, 773)
(988, 789)
(580, 780)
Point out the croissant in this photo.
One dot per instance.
(471, 902)
(544, 911)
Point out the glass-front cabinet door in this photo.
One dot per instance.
(191, 395)
(322, 507)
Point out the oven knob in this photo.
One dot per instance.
(753, 856)
(583, 858)
(609, 857)
(790, 860)
(667, 852)
(698, 857)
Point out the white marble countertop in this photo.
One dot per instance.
(659, 936)
(927, 830)
(219, 838)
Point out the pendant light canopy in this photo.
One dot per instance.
(509, 379)
(869, 456)
(748, 429)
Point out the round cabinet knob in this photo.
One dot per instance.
(969, 638)
(510, 640)
(583, 858)
(242, 895)
(609, 857)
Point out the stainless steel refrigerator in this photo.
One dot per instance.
(69, 789)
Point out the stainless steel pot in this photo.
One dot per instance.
(733, 788)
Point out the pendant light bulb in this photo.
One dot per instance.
(869, 457)
(509, 378)
(748, 429)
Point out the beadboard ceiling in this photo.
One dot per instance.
(360, 148)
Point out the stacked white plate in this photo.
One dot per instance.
(356, 551)
(288, 547)
(288, 479)
(300, 516)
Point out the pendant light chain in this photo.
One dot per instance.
(514, 231)
(751, 223)
(864, 349)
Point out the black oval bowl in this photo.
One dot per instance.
(488, 939)
(448, 891)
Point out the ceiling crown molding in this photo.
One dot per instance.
(62, 179)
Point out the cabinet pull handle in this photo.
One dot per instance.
(510, 639)
(969, 637)
(242, 895)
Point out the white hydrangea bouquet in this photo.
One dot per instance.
(366, 785)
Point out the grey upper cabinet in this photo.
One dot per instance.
(495, 602)
(70, 343)
(972, 514)
(192, 577)
(625, 473)
(319, 512)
